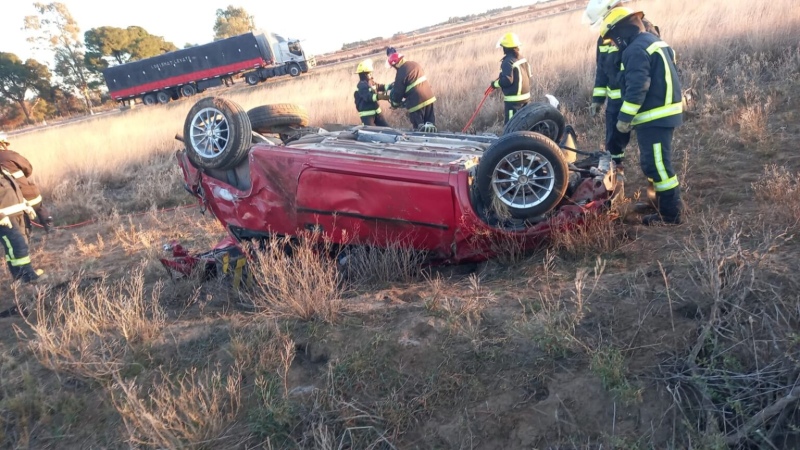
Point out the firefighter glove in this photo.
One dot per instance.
(623, 127)
(31, 213)
(595, 108)
(492, 86)
(5, 222)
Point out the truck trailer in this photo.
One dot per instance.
(254, 56)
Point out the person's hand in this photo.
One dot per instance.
(595, 108)
(492, 86)
(623, 127)
(5, 222)
(31, 213)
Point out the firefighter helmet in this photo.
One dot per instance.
(596, 10)
(614, 17)
(394, 59)
(365, 66)
(509, 40)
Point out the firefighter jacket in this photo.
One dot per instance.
(651, 91)
(411, 88)
(21, 169)
(366, 97)
(12, 202)
(515, 78)
(607, 78)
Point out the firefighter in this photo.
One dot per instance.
(651, 105)
(367, 95)
(21, 169)
(515, 76)
(12, 209)
(607, 81)
(412, 90)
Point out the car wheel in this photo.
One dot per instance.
(163, 97)
(149, 99)
(522, 173)
(268, 119)
(252, 78)
(187, 90)
(540, 118)
(217, 134)
(294, 70)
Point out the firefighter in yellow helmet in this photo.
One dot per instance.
(608, 79)
(22, 170)
(651, 105)
(367, 94)
(515, 76)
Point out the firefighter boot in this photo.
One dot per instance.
(669, 209)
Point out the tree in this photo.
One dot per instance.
(123, 45)
(56, 29)
(232, 21)
(18, 79)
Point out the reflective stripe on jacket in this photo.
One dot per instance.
(411, 87)
(366, 98)
(11, 200)
(651, 91)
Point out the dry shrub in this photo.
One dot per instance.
(464, 313)
(296, 278)
(551, 322)
(265, 349)
(190, 411)
(375, 267)
(778, 191)
(738, 382)
(596, 234)
(92, 332)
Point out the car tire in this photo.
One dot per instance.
(271, 119)
(540, 118)
(231, 134)
(294, 70)
(523, 174)
(252, 78)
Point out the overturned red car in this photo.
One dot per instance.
(263, 173)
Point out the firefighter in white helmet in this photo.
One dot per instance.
(15, 246)
(367, 95)
(651, 105)
(515, 76)
(608, 79)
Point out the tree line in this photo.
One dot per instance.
(31, 91)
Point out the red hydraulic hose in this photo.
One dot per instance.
(485, 96)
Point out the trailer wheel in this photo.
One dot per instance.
(522, 174)
(187, 90)
(294, 70)
(149, 99)
(163, 97)
(217, 134)
(252, 78)
(540, 118)
(268, 119)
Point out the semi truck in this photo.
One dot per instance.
(254, 56)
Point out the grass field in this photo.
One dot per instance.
(614, 336)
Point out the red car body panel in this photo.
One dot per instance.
(420, 199)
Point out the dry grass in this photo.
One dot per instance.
(188, 411)
(93, 332)
(296, 278)
(778, 186)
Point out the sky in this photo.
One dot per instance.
(323, 26)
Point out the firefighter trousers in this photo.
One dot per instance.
(15, 248)
(422, 115)
(512, 108)
(655, 154)
(616, 141)
(375, 120)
